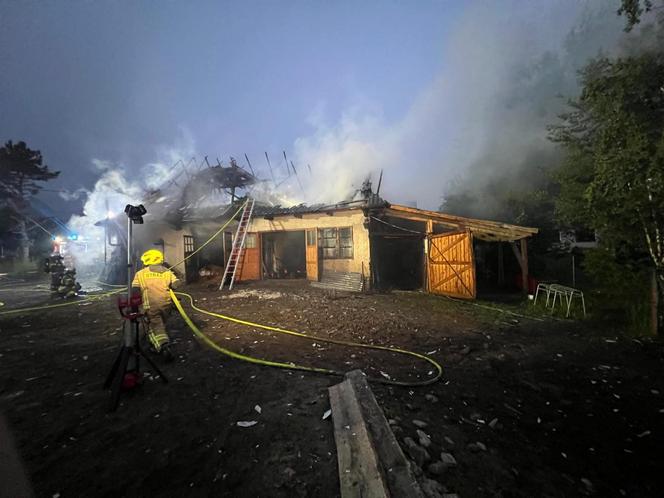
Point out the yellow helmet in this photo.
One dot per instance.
(152, 257)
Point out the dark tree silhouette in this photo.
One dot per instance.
(21, 171)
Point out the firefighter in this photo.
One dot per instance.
(54, 265)
(69, 287)
(154, 281)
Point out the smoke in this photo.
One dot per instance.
(121, 184)
(73, 195)
(505, 75)
(162, 186)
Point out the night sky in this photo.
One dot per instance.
(340, 85)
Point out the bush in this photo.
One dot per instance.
(620, 292)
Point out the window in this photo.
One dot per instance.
(337, 242)
(346, 242)
(311, 237)
(250, 241)
(188, 244)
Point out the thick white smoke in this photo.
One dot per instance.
(119, 185)
(502, 81)
(503, 78)
(160, 186)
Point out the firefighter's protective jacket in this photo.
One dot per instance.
(154, 282)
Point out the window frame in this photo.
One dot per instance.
(338, 248)
(188, 241)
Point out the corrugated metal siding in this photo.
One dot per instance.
(451, 265)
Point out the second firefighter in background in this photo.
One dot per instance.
(154, 282)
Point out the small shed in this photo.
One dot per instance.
(448, 246)
(366, 243)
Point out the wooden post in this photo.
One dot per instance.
(501, 265)
(371, 462)
(427, 248)
(524, 265)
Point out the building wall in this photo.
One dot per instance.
(174, 247)
(339, 219)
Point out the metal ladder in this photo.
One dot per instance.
(238, 244)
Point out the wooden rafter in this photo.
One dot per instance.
(491, 231)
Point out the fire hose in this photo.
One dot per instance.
(93, 297)
(122, 287)
(438, 369)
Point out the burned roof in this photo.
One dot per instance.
(193, 214)
(224, 177)
(262, 210)
(487, 230)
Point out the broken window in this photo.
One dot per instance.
(337, 242)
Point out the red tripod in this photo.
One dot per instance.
(125, 372)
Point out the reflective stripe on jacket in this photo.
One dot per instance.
(154, 282)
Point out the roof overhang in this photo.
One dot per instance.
(492, 231)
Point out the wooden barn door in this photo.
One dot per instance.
(250, 259)
(451, 266)
(312, 254)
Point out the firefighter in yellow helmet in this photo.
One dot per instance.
(154, 281)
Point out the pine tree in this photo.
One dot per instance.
(21, 171)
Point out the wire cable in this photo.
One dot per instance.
(397, 226)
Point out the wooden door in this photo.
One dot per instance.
(250, 259)
(311, 251)
(451, 265)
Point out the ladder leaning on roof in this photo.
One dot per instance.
(238, 245)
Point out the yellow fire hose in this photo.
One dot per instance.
(122, 287)
(93, 297)
(438, 368)
(214, 235)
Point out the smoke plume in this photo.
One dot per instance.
(505, 75)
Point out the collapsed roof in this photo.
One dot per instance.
(491, 231)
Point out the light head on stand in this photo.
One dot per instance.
(135, 213)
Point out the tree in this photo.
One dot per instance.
(21, 171)
(613, 177)
(633, 10)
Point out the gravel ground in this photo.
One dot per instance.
(527, 407)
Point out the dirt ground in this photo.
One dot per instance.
(560, 408)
